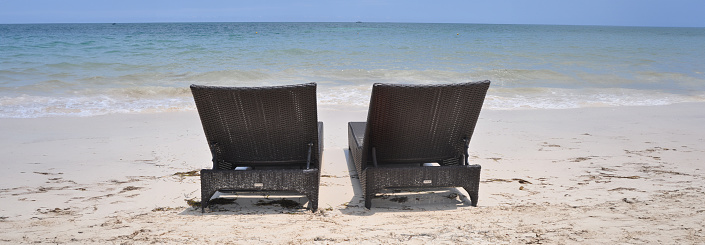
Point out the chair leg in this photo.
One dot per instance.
(473, 196)
(204, 202)
(368, 190)
(368, 195)
(368, 201)
(206, 193)
(312, 200)
(205, 197)
(314, 205)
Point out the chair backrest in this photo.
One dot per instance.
(251, 126)
(422, 123)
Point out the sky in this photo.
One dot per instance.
(673, 13)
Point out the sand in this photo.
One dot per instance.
(573, 176)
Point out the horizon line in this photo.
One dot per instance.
(359, 22)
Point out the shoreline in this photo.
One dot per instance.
(151, 100)
(588, 175)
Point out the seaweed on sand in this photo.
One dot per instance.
(189, 173)
(197, 204)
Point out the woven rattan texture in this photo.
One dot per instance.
(266, 128)
(258, 124)
(305, 181)
(418, 124)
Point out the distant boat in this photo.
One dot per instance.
(358, 22)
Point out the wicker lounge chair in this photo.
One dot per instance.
(262, 139)
(410, 127)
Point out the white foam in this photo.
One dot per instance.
(160, 99)
(531, 98)
(27, 106)
(552, 98)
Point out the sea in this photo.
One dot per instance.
(58, 70)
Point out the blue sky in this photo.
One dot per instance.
(687, 13)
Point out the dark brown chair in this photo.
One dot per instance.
(408, 128)
(261, 139)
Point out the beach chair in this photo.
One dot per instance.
(417, 136)
(262, 139)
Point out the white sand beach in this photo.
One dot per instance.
(627, 175)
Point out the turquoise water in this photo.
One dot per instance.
(94, 69)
